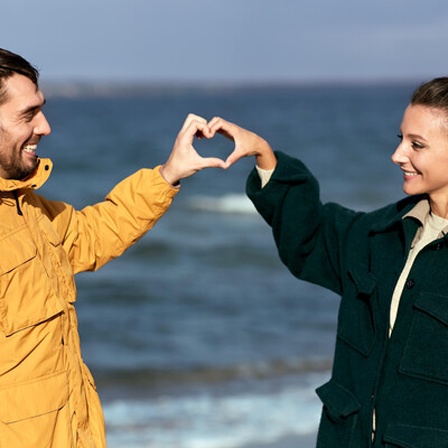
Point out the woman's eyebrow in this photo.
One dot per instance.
(416, 137)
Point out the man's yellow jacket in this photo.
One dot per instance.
(47, 395)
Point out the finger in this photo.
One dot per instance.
(203, 130)
(191, 118)
(195, 128)
(223, 127)
(214, 121)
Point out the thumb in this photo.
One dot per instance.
(214, 162)
(233, 157)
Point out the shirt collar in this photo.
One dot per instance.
(420, 212)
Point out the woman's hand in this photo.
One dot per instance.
(247, 143)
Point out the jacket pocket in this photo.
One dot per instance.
(404, 436)
(34, 398)
(95, 411)
(26, 293)
(425, 352)
(16, 251)
(340, 416)
(355, 321)
(57, 262)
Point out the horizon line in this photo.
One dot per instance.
(77, 87)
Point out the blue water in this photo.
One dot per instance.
(198, 336)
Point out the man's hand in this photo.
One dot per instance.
(247, 144)
(184, 161)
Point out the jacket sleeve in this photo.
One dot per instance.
(309, 235)
(99, 233)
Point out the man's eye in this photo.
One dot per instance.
(29, 115)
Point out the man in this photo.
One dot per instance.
(47, 395)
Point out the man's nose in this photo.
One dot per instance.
(42, 126)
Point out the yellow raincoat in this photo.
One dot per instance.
(47, 395)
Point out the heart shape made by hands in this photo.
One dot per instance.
(220, 147)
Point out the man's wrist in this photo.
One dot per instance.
(165, 173)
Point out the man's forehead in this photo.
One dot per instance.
(22, 92)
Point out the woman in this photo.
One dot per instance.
(389, 384)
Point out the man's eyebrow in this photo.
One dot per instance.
(32, 109)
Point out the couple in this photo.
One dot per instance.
(389, 385)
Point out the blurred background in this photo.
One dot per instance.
(198, 336)
(229, 41)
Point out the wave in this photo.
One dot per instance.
(154, 378)
(229, 203)
(217, 417)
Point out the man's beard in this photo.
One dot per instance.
(17, 169)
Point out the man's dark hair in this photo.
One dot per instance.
(11, 64)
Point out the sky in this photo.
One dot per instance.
(229, 40)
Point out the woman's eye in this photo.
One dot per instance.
(414, 144)
(417, 145)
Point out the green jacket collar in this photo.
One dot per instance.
(413, 208)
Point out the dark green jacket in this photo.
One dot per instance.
(360, 257)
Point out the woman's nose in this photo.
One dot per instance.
(399, 156)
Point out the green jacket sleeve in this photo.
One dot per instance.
(309, 235)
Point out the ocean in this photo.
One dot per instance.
(198, 336)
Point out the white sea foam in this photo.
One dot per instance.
(229, 203)
(215, 421)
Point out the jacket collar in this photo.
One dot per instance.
(412, 208)
(34, 180)
(417, 211)
(421, 212)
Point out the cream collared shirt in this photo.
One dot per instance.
(433, 227)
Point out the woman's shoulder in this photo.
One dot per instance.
(392, 213)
